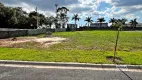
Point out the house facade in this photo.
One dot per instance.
(138, 25)
(98, 24)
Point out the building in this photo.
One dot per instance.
(98, 24)
(138, 25)
(72, 25)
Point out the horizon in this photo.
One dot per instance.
(93, 8)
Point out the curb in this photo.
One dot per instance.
(70, 64)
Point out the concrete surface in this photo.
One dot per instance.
(22, 72)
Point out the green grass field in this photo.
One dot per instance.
(84, 47)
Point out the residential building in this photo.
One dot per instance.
(72, 25)
(98, 24)
(138, 25)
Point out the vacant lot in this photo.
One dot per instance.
(83, 46)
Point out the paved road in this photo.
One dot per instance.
(29, 73)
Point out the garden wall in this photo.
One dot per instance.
(108, 28)
(35, 31)
(60, 30)
(7, 33)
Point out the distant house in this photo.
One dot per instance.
(71, 27)
(97, 24)
(138, 25)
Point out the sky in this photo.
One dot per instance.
(128, 9)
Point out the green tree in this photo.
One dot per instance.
(88, 20)
(50, 20)
(62, 16)
(18, 18)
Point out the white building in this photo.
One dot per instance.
(98, 24)
(72, 25)
(138, 25)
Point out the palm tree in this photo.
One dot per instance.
(76, 18)
(134, 23)
(124, 20)
(88, 20)
(112, 20)
(101, 20)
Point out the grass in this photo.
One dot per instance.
(84, 47)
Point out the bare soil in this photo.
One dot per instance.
(117, 59)
(46, 42)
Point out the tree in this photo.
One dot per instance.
(50, 21)
(42, 19)
(134, 23)
(75, 18)
(16, 17)
(101, 20)
(62, 16)
(112, 20)
(118, 23)
(89, 20)
(124, 20)
(33, 19)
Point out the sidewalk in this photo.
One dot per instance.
(70, 64)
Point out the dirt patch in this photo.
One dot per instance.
(117, 59)
(45, 42)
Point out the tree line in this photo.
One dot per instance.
(115, 22)
(18, 18)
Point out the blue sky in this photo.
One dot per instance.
(129, 9)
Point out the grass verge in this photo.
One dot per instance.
(83, 47)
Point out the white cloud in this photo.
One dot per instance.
(131, 16)
(119, 8)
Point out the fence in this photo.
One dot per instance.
(6, 33)
(108, 28)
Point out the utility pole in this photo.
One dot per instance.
(37, 17)
(56, 5)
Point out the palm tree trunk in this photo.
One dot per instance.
(75, 24)
(88, 24)
(100, 24)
